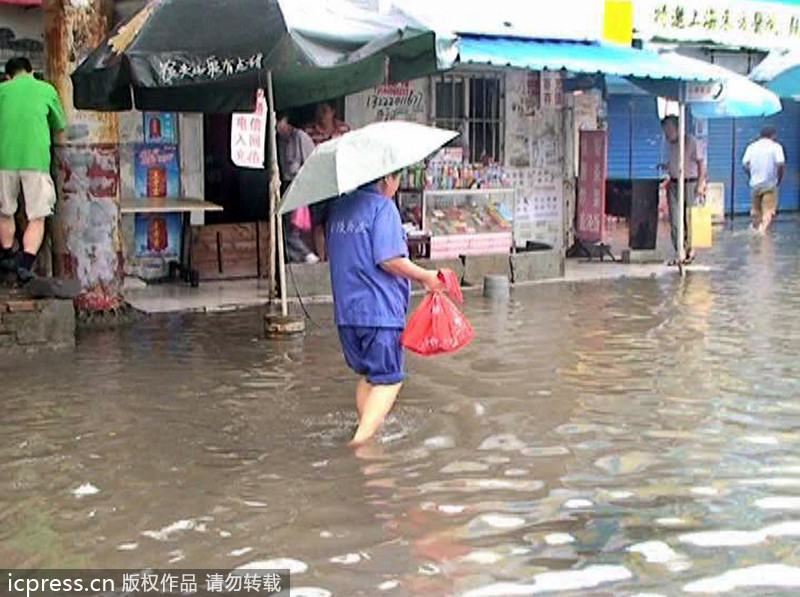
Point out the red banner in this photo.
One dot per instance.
(22, 2)
(591, 206)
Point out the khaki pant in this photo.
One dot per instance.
(689, 200)
(765, 203)
(37, 188)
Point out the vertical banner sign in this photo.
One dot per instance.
(592, 186)
(552, 94)
(249, 135)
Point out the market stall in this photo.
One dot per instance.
(451, 208)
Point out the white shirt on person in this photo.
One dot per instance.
(762, 158)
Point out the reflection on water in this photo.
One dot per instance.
(626, 437)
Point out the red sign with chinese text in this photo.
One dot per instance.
(591, 206)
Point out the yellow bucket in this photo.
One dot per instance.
(700, 227)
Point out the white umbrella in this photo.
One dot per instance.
(345, 163)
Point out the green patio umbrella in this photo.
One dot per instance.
(211, 56)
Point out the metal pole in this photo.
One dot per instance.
(681, 177)
(276, 222)
(733, 168)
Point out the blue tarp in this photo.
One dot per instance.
(780, 72)
(660, 73)
(577, 57)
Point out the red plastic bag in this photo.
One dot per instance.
(437, 326)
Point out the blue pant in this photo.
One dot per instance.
(375, 353)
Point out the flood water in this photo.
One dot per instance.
(629, 437)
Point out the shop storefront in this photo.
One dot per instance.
(515, 181)
(735, 34)
(636, 146)
(498, 189)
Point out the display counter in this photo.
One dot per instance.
(468, 221)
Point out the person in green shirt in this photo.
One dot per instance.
(29, 110)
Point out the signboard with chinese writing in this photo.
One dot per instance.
(739, 23)
(704, 92)
(401, 101)
(159, 128)
(249, 135)
(552, 95)
(157, 171)
(177, 70)
(539, 207)
(591, 204)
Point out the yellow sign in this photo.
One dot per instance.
(618, 22)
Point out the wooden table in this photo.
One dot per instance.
(183, 205)
(160, 205)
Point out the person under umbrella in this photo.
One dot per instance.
(371, 273)
(371, 277)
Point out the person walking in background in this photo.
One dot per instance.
(765, 164)
(294, 147)
(695, 175)
(29, 110)
(326, 126)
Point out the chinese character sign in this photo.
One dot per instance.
(249, 135)
(176, 71)
(401, 101)
(552, 91)
(704, 92)
(728, 22)
(591, 204)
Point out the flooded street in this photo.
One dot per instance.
(608, 438)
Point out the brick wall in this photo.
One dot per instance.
(41, 324)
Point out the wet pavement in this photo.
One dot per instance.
(624, 437)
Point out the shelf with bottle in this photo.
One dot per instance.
(442, 175)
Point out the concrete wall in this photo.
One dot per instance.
(22, 34)
(535, 156)
(30, 325)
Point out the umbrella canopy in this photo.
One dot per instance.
(211, 56)
(661, 73)
(734, 96)
(780, 73)
(343, 164)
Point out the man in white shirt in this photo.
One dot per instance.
(765, 165)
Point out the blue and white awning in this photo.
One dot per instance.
(724, 93)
